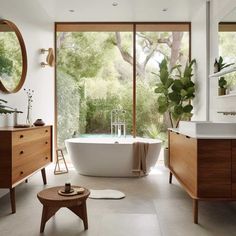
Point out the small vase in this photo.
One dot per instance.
(29, 117)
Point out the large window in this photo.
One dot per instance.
(96, 75)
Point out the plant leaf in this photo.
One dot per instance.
(188, 108)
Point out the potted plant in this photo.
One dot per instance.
(218, 66)
(4, 109)
(222, 86)
(176, 92)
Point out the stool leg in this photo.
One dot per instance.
(43, 172)
(47, 213)
(81, 211)
(170, 178)
(13, 200)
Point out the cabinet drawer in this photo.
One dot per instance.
(25, 152)
(24, 169)
(28, 136)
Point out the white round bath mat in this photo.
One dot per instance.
(106, 194)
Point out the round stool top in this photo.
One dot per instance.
(50, 197)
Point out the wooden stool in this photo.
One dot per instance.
(52, 202)
(60, 157)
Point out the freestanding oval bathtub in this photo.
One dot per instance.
(111, 157)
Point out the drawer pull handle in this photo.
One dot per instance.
(46, 131)
(187, 136)
(21, 152)
(21, 136)
(46, 158)
(46, 142)
(22, 172)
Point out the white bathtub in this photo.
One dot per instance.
(108, 156)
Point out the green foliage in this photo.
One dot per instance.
(227, 49)
(68, 98)
(175, 94)
(222, 82)
(5, 64)
(6, 109)
(222, 65)
(96, 79)
(10, 60)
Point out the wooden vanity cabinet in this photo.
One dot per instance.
(206, 168)
(23, 151)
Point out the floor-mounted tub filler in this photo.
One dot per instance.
(110, 157)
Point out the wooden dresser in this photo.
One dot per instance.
(206, 168)
(23, 151)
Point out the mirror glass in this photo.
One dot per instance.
(227, 46)
(13, 61)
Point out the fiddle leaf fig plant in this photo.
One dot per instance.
(6, 109)
(176, 92)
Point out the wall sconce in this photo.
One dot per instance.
(50, 59)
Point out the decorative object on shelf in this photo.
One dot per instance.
(39, 122)
(29, 93)
(49, 59)
(60, 157)
(216, 66)
(6, 109)
(222, 86)
(219, 65)
(21, 126)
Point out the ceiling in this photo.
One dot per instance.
(127, 10)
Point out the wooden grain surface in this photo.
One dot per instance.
(22, 152)
(5, 160)
(214, 167)
(50, 197)
(183, 160)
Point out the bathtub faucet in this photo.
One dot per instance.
(118, 126)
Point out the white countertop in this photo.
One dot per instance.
(212, 136)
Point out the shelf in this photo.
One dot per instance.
(223, 72)
(227, 95)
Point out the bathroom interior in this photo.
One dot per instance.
(162, 132)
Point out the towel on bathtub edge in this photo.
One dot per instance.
(140, 150)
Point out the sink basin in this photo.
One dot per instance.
(198, 128)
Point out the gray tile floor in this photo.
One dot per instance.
(151, 207)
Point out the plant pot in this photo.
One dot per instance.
(221, 91)
(166, 157)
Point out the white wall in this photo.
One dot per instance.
(219, 9)
(199, 52)
(38, 32)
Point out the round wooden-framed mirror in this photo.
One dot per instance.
(13, 57)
